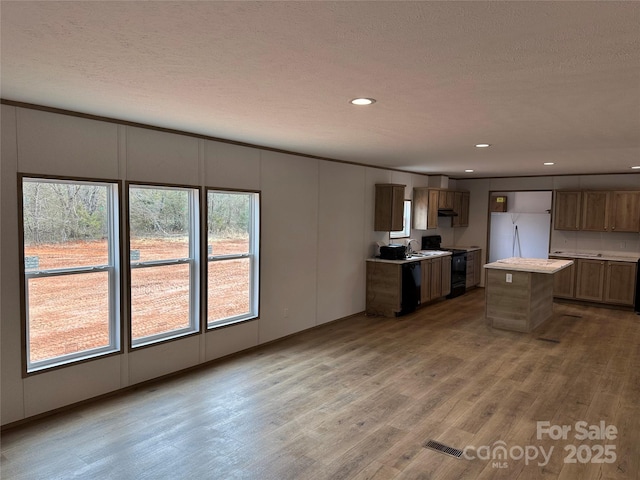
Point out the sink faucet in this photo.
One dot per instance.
(409, 250)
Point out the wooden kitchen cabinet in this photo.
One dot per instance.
(461, 207)
(446, 276)
(425, 208)
(436, 278)
(567, 210)
(425, 288)
(625, 211)
(590, 276)
(389, 207)
(384, 284)
(619, 283)
(564, 281)
(595, 211)
(446, 199)
(474, 268)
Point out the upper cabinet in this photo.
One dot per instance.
(625, 211)
(567, 210)
(597, 211)
(425, 208)
(427, 201)
(389, 207)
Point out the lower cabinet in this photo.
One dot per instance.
(474, 268)
(620, 278)
(594, 280)
(384, 284)
(564, 281)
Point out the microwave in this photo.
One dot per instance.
(393, 252)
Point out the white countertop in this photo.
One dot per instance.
(616, 257)
(533, 265)
(418, 256)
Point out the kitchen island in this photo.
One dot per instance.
(519, 292)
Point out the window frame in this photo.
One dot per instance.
(253, 255)
(406, 222)
(194, 327)
(113, 268)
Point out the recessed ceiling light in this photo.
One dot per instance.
(548, 163)
(469, 170)
(482, 145)
(363, 101)
(636, 167)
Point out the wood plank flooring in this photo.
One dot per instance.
(359, 398)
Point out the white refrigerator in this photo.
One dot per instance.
(523, 235)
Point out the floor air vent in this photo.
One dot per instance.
(439, 447)
(552, 340)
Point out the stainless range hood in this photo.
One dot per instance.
(446, 212)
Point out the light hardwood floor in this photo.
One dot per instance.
(358, 399)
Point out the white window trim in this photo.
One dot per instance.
(192, 261)
(254, 262)
(112, 268)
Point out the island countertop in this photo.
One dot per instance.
(534, 265)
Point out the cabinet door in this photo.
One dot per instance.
(432, 218)
(464, 211)
(389, 208)
(425, 288)
(420, 206)
(620, 283)
(457, 207)
(567, 210)
(436, 278)
(471, 265)
(446, 275)
(595, 211)
(625, 212)
(477, 274)
(590, 280)
(564, 281)
(445, 198)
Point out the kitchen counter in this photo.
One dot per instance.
(614, 257)
(519, 292)
(468, 249)
(535, 265)
(416, 257)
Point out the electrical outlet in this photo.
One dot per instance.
(286, 312)
(509, 278)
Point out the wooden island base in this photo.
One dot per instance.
(521, 305)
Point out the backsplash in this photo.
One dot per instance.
(597, 242)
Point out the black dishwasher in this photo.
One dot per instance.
(411, 281)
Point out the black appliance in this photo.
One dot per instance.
(411, 283)
(446, 212)
(393, 252)
(637, 301)
(458, 264)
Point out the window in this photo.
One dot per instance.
(232, 270)
(163, 232)
(406, 219)
(71, 255)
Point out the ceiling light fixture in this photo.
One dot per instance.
(482, 145)
(363, 101)
(548, 163)
(636, 167)
(468, 170)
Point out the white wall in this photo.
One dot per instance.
(317, 231)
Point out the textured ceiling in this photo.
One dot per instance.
(540, 81)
